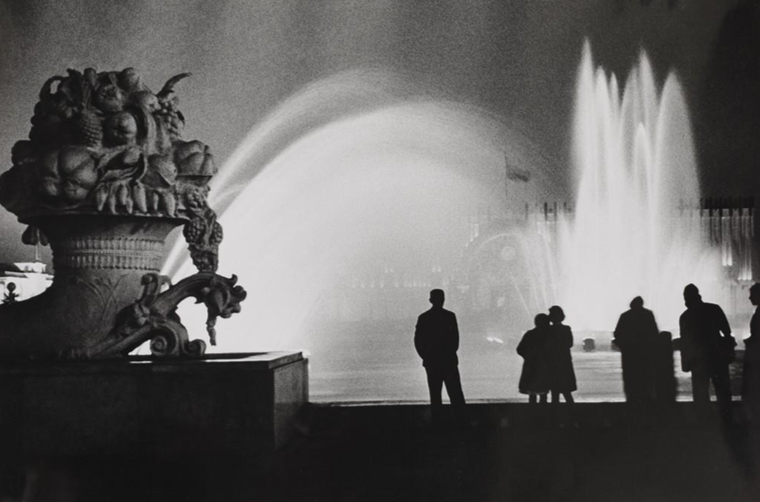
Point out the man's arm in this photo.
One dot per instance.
(728, 342)
(418, 343)
(684, 344)
(723, 325)
(523, 348)
(683, 329)
(653, 324)
(618, 335)
(455, 330)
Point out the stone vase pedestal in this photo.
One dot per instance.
(99, 263)
(139, 428)
(104, 176)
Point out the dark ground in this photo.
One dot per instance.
(388, 453)
(391, 453)
(505, 452)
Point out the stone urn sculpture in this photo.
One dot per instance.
(103, 178)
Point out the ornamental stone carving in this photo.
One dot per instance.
(103, 178)
(104, 143)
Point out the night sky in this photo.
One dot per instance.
(516, 59)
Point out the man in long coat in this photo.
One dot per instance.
(436, 339)
(636, 335)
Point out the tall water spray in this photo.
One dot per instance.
(357, 172)
(635, 230)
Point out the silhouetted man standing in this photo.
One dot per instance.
(751, 377)
(436, 339)
(707, 348)
(636, 335)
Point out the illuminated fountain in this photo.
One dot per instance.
(636, 228)
(356, 171)
(362, 170)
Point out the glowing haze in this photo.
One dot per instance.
(636, 168)
(360, 171)
(356, 170)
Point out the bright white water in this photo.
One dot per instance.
(635, 166)
(355, 173)
(361, 171)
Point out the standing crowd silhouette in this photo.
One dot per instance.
(706, 343)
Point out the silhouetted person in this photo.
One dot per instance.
(534, 379)
(562, 375)
(436, 339)
(751, 376)
(707, 348)
(635, 335)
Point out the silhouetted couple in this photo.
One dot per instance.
(548, 364)
(436, 338)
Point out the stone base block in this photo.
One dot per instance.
(234, 404)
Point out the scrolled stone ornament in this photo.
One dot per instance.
(154, 316)
(103, 177)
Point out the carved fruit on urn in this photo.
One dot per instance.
(104, 176)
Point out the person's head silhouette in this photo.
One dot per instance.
(691, 295)
(541, 321)
(637, 303)
(754, 294)
(437, 298)
(556, 314)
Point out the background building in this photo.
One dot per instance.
(23, 279)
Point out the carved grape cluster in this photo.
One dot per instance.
(89, 128)
(194, 230)
(203, 233)
(171, 117)
(217, 234)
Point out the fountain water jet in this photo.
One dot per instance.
(389, 180)
(326, 188)
(637, 171)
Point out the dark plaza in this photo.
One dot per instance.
(224, 218)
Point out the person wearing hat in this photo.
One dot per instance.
(535, 377)
(707, 348)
